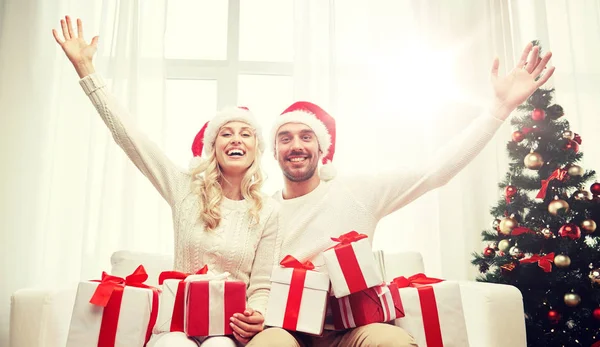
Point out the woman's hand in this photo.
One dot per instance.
(246, 325)
(79, 52)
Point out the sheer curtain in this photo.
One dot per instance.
(404, 77)
(70, 197)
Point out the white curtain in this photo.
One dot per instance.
(401, 78)
(70, 197)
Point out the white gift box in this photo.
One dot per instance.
(312, 295)
(167, 302)
(352, 267)
(133, 317)
(421, 306)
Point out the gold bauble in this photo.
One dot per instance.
(504, 246)
(533, 161)
(546, 233)
(588, 225)
(507, 225)
(568, 135)
(582, 195)
(562, 261)
(594, 275)
(575, 170)
(557, 205)
(572, 299)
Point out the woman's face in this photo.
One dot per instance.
(235, 147)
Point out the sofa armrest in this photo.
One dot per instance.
(41, 318)
(494, 314)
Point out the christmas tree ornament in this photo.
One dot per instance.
(483, 268)
(516, 252)
(575, 170)
(595, 189)
(572, 146)
(594, 276)
(572, 299)
(582, 195)
(496, 224)
(577, 138)
(570, 230)
(546, 233)
(538, 114)
(555, 112)
(588, 225)
(510, 191)
(518, 136)
(507, 225)
(557, 206)
(533, 161)
(489, 252)
(504, 245)
(553, 316)
(596, 313)
(508, 268)
(562, 261)
(571, 324)
(567, 135)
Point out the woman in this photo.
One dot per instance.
(220, 217)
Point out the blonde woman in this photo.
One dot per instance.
(220, 217)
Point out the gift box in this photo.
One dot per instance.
(172, 296)
(114, 312)
(298, 297)
(210, 302)
(374, 305)
(351, 265)
(433, 311)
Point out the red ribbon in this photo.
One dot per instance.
(109, 294)
(429, 310)
(348, 261)
(178, 306)
(292, 307)
(350, 237)
(521, 230)
(558, 174)
(545, 262)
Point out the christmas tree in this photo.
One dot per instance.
(542, 238)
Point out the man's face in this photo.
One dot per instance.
(297, 151)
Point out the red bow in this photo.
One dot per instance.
(349, 237)
(543, 261)
(521, 230)
(291, 262)
(417, 280)
(558, 174)
(109, 283)
(176, 275)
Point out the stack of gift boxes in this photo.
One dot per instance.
(201, 304)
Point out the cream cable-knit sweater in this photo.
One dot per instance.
(245, 251)
(307, 223)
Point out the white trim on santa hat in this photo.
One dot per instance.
(226, 115)
(309, 119)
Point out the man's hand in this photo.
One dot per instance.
(246, 325)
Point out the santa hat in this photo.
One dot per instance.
(206, 137)
(323, 126)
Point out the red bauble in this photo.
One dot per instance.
(518, 136)
(489, 252)
(570, 230)
(553, 316)
(510, 191)
(572, 145)
(597, 313)
(538, 114)
(577, 138)
(595, 189)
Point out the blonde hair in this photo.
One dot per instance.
(206, 183)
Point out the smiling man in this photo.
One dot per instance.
(316, 207)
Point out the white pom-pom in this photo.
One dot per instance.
(327, 172)
(195, 162)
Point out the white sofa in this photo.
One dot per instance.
(494, 312)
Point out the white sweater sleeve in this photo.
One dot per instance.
(169, 180)
(389, 192)
(260, 275)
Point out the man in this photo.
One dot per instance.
(315, 208)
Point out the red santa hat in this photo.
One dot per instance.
(206, 137)
(323, 126)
